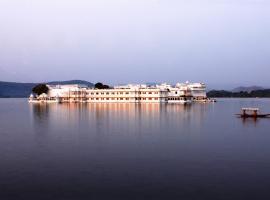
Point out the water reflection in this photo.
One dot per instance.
(40, 111)
(254, 122)
(160, 151)
(249, 120)
(39, 117)
(116, 118)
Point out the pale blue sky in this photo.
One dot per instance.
(224, 43)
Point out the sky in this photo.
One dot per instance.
(223, 43)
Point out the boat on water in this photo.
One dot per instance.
(252, 113)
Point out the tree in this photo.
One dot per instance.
(40, 89)
(106, 87)
(101, 86)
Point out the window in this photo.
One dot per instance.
(156, 92)
(140, 92)
(144, 98)
(92, 98)
(97, 98)
(175, 92)
(107, 98)
(144, 92)
(97, 93)
(92, 93)
(112, 98)
(102, 92)
(121, 98)
(102, 98)
(121, 92)
(149, 92)
(127, 92)
(107, 93)
(149, 98)
(156, 98)
(127, 98)
(112, 92)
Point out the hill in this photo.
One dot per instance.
(241, 94)
(20, 90)
(89, 84)
(10, 89)
(247, 89)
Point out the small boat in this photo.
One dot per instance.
(252, 113)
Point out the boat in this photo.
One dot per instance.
(252, 113)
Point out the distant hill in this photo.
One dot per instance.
(20, 90)
(241, 94)
(247, 89)
(10, 89)
(151, 83)
(89, 84)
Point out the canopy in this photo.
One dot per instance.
(250, 109)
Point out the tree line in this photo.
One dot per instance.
(224, 93)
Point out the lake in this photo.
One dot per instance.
(133, 151)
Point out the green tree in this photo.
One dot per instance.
(40, 89)
(106, 87)
(101, 86)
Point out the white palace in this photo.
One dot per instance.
(164, 93)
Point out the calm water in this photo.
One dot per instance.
(129, 151)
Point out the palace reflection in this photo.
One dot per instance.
(115, 118)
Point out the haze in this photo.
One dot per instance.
(222, 43)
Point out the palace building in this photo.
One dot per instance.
(164, 93)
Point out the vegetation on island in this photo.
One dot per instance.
(101, 86)
(243, 94)
(40, 89)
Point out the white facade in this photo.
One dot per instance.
(164, 93)
(198, 90)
